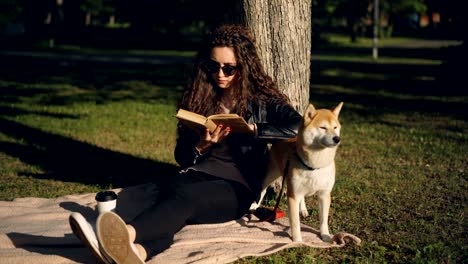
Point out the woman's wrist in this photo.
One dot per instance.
(253, 127)
(201, 149)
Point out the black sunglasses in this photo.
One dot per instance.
(213, 67)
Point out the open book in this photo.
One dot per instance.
(197, 121)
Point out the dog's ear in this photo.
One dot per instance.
(309, 113)
(337, 109)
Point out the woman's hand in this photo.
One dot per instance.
(208, 139)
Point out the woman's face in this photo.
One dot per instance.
(223, 66)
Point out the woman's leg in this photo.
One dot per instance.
(205, 200)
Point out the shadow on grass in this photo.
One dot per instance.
(429, 51)
(68, 160)
(36, 83)
(393, 87)
(58, 83)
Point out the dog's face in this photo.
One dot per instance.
(320, 127)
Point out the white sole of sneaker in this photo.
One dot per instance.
(114, 239)
(83, 230)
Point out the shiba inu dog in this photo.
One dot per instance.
(310, 166)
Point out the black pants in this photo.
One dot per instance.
(193, 198)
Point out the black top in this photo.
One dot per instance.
(240, 157)
(221, 163)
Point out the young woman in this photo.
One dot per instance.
(221, 172)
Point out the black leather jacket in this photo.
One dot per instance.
(249, 152)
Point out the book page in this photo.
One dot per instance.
(224, 116)
(235, 122)
(194, 121)
(199, 122)
(187, 115)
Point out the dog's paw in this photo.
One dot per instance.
(254, 206)
(343, 238)
(326, 237)
(303, 208)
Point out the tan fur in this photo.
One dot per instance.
(316, 145)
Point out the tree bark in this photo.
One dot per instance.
(283, 33)
(88, 18)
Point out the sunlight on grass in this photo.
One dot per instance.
(140, 129)
(366, 42)
(139, 52)
(368, 59)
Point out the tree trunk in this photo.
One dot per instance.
(283, 33)
(88, 19)
(112, 20)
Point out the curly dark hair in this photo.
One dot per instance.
(203, 97)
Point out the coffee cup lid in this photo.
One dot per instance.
(105, 196)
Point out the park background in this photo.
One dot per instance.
(88, 93)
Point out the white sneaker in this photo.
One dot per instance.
(114, 240)
(85, 232)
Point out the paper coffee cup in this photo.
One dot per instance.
(106, 201)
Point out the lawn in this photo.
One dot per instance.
(401, 169)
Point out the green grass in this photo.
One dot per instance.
(368, 59)
(90, 50)
(366, 42)
(401, 169)
(87, 49)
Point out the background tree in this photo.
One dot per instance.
(358, 18)
(91, 8)
(355, 12)
(402, 13)
(283, 33)
(10, 10)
